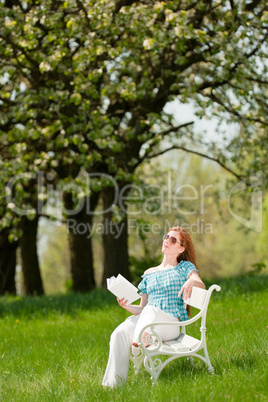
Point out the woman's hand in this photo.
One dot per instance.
(122, 302)
(186, 289)
(133, 308)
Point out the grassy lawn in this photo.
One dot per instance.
(55, 348)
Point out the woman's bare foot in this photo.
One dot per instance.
(144, 340)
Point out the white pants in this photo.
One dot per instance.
(127, 333)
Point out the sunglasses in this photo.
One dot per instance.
(171, 238)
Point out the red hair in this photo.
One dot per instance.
(189, 253)
(185, 239)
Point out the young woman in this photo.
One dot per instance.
(163, 289)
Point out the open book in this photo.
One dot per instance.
(121, 287)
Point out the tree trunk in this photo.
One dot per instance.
(7, 264)
(115, 239)
(30, 263)
(79, 228)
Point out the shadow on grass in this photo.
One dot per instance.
(181, 368)
(102, 299)
(178, 369)
(71, 303)
(245, 362)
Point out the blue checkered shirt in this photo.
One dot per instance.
(163, 287)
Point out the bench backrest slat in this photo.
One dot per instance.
(197, 298)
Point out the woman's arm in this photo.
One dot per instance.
(133, 308)
(194, 280)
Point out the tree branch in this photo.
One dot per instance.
(121, 3)
(230, 110)
(199, 154)
(252, 5)
(163, 133)
(81, 7)
(169, 130)
(52, 217)
(15, 46)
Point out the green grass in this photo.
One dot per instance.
(56, 348)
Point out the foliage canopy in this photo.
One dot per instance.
(85, 84)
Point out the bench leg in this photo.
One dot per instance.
(211, 370)
(191, 361)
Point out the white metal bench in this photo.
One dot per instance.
(184, 345)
